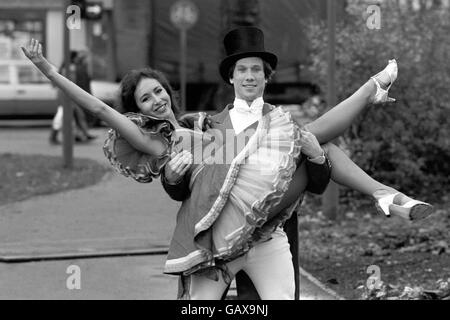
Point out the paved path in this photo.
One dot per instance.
(114, 216)
(117, 212)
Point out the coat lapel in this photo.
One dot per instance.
(222, 122)
(223, 119)
(266, 109)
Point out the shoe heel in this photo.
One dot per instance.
(381, 95)
(380, 210)
(384, 202)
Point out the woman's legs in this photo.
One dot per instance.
(296, 188)
(346, 172)
(334, 122)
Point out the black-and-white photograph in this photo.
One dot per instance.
(225, 150)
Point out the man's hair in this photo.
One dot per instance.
(268, 71)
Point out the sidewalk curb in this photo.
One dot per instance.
(319, 284)
(81, 255)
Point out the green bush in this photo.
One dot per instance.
(405, 144)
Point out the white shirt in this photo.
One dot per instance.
(243, 115)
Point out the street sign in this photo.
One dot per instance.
(94, 10)
(183, 14)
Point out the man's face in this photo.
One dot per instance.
(248, 79)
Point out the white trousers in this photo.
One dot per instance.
(57, 122)
(269, 266)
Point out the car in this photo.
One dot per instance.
(26, 93)
(106, 91)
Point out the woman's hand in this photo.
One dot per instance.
(310, 145)
(178, 166)
(34, 53)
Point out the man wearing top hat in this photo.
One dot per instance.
(248, 67)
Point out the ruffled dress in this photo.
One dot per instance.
(243, 196)
(128, 161)
(266, 168)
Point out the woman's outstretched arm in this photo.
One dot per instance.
(113, 118)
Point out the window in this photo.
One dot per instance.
(30, 75)
(4, 74)
(15, 33)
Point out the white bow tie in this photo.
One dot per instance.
(249, 110)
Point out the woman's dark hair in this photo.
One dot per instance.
(268, 71)
(128, 87)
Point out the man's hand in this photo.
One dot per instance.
(177, 166)
(204, 122)
(195, 121)
(310, 146)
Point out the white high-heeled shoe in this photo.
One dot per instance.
(417, 209)
(381, 94)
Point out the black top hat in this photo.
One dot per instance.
(241, 43)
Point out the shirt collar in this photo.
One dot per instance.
(255, 108)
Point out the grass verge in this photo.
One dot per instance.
(25, 176)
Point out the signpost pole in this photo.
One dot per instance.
(67, 103)
(184, 15)
(183, 51)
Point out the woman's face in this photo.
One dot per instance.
(152, 99)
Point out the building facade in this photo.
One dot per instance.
(134, 33)
(21, 20)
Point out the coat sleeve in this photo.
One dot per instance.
(318, 176)
(178, 191)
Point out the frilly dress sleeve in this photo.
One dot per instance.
(136, 164)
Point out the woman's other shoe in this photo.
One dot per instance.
(383, 81)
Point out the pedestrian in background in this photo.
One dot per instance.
(78, 71)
